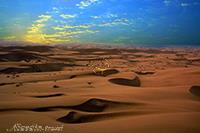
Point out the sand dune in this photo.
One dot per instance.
(97, 105)
(91, 105)
(76, 117)
(142, 90)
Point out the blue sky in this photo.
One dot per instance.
(117, 22)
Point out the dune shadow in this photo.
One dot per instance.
(195, 90)
(144, 72)
(3, 84)
(48, 96)
(127, 82)
(19, 56)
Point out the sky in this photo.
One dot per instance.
(116, 22)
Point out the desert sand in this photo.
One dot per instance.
(140, 91)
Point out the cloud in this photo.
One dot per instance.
(43, 18)
(9, 38)
(68, 16)
(86, 26)
(95, 17)
(85, 3)
(167, 2)
(107, 15)
(38, 32)
(71, 33)
(66, 36)
(185, 4)
(55, 10)
(110, 15)
(182, 4)
(116, 22)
